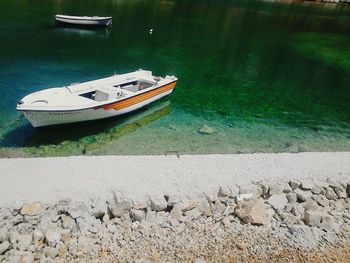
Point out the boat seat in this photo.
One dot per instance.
(132, 88)
(101, 96)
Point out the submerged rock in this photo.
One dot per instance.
(173, 127)
(206, 129)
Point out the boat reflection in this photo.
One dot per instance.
(81, 138)
(128, 126)
(83, 31)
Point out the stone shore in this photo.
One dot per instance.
(299, 221)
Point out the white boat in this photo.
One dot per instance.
(97, 99)
(84, 20)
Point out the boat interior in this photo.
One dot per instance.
(135, 86)
(117, 91)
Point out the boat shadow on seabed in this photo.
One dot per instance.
(82, 31)
(106, 129)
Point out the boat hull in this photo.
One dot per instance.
(84, 22)
(48, 118)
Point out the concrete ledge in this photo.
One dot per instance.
(136, 177)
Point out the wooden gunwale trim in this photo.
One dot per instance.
(137, 94)
(139, 98)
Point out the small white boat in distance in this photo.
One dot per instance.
(84, 20)
(97, 99)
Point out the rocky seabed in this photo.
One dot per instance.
(296, 221)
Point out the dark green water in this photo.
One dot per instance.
(266, 77)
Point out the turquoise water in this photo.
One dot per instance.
(265, 77)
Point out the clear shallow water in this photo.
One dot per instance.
(265, 77)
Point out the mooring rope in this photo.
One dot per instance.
(167, 153)
(12, 122)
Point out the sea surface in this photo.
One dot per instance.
(257, 76)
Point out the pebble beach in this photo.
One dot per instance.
(198, 208)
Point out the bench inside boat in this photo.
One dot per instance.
(135, 85)
(117, 91)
